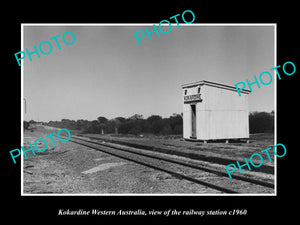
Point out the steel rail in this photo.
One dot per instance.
(220, 173)
(213, 186)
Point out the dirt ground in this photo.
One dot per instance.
(68, 168)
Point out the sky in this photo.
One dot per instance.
(106, 73)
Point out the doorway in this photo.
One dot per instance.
(194, 129)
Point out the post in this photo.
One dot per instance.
(25, 104)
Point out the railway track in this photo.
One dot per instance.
(182, 168)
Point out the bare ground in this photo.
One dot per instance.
(68, 168)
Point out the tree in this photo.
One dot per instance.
(32, 121)
(102, 119)
(124, 128)
(135, 124)
(120, 119)
(175, 120)
(156, 126)
(153, 118)
(136, 117)
(26, 125)
(261, 122)
(166, 129)
(178, 129)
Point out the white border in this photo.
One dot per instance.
(275, 107)
(22, 108)
(150, 24)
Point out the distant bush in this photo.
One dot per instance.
(135, 124)
(26, 125)
(261, 122)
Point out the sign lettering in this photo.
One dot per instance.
(192, 98)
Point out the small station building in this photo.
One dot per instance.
(213, 111)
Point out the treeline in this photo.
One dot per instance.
(259, 122)
(135, 124)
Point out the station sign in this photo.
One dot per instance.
(192, 98)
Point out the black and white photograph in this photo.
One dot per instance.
(158, 117)
(117, 115)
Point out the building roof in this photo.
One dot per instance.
(212, 84)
